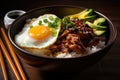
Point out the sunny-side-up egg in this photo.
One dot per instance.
(39, 34)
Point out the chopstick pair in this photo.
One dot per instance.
(9, 60)
(16, 68)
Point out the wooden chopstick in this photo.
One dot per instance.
(15, 58)
(2, 62)
(9, 60)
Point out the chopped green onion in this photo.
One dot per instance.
(74, 28)
(31, 26)
(52, 25)
(54, 32)
(51, 18)
(40, 23)
(57, 20)
(67, 23)
(45, 20)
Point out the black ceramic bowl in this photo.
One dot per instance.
(46, 63)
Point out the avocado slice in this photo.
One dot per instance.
(88, 18)
(84, 15)
(98, 32)
(99, 21)
(86, 12)
(98, 27)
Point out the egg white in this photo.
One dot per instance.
(24, 40)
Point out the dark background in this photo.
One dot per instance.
(108, 68)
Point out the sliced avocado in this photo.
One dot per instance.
(78, 14)
(99, 21)
(98, 32)
(84, 11)
(84, 15)
(98, 27)
(89, 18)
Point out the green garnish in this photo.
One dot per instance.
(31, 26)
(67, 24)
(54, 24)
(86, 15)
(57, 20)
(51, 18)
(54, 32)
(99, 21)
(45, 20)
(98, 26)
(73, 27)
(40, 23)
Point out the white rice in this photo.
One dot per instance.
(89, 50)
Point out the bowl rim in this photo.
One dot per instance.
(110, 42)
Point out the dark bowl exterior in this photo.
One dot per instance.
(58, 64)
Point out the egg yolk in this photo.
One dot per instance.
(39, 32)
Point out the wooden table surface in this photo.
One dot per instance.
(108, 68)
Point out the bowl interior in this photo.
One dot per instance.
(60, 11)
